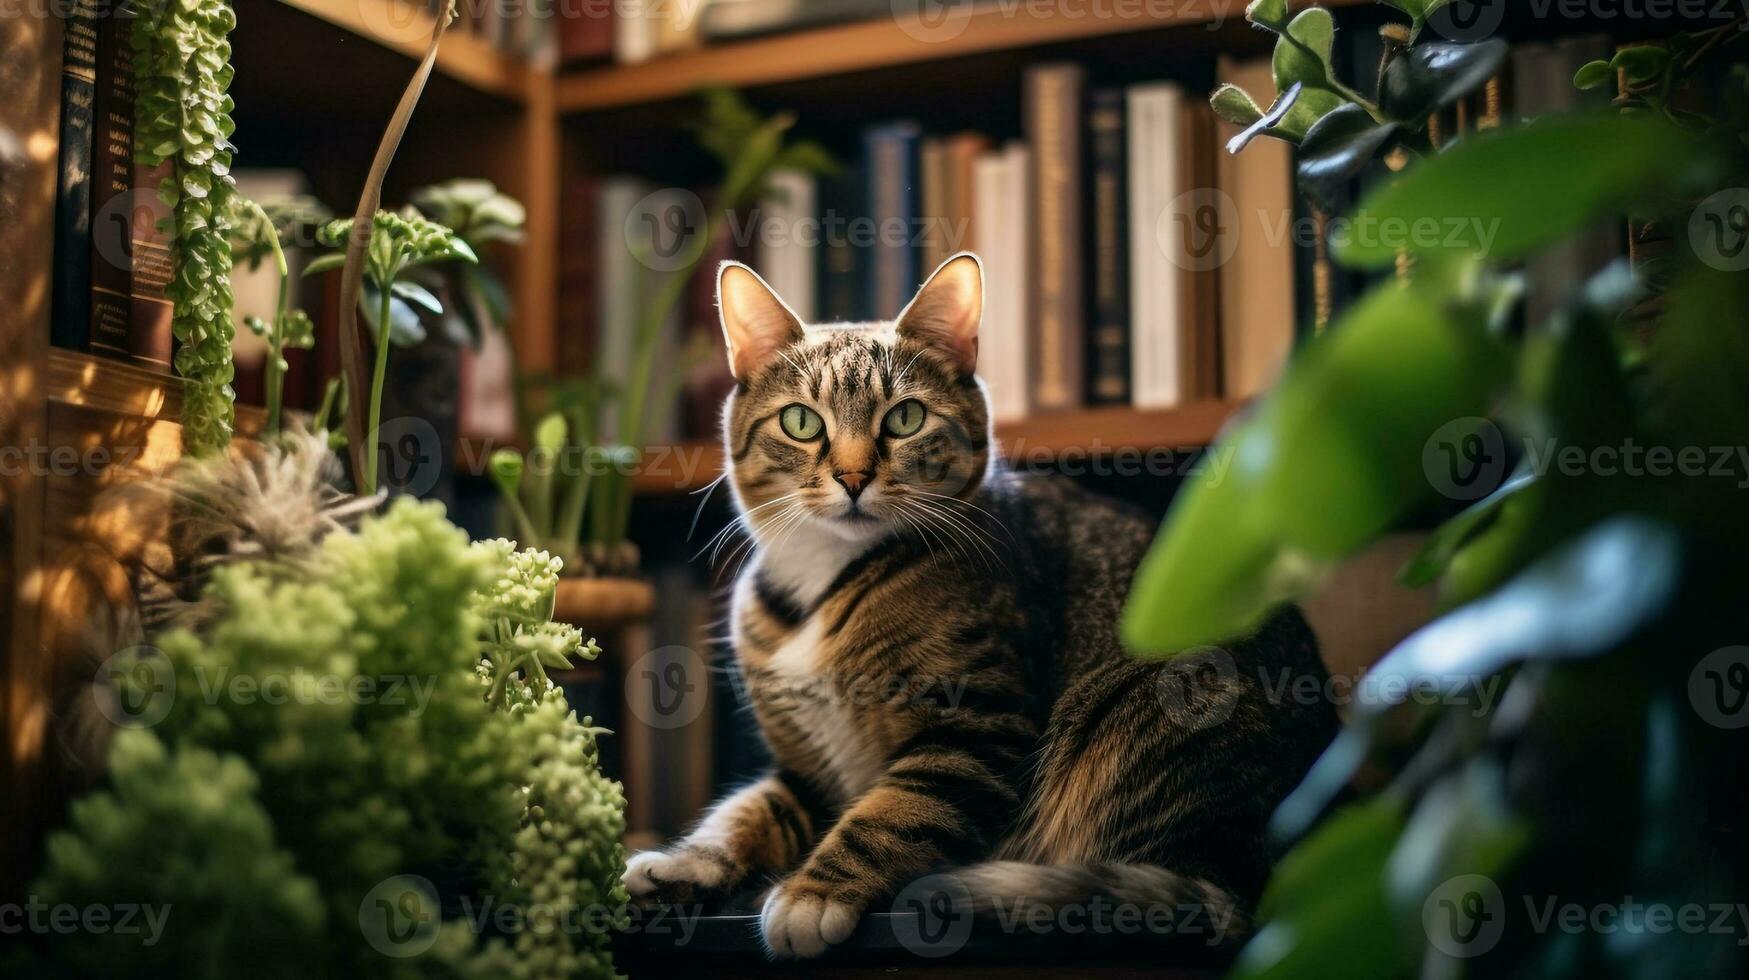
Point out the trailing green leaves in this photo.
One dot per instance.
(182, 114)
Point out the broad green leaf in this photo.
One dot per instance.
(1436, 553)
(1432, 76)
(1337, 148)
(1595, 74)
(1565, 172)
(1332, 458)
(1583, 599)
(1308, 61)
(1235, 105)
(417, 295)
(1327, 902)
(1268, 13)
(1273, 121)
(1641, 62)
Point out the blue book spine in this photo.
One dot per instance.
(70, 317)
(890, 163)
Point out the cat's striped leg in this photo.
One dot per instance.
(947, 797)
(764, 827)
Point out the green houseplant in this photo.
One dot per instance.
(352, 739)
(257, 229)
(1600, 597)
(182, 116)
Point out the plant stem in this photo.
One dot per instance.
(376, 388)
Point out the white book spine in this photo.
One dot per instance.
(788, 237)
(999, 181)
(1157, 288)
(634, 31)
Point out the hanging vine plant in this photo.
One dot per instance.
(182, 114)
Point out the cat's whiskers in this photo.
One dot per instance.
(967, 503)
(962, 529)
(741, 522)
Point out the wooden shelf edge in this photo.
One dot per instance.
(406, 27)
(687, 467)
(866, 45)
(126, 389)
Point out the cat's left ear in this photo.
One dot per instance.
(948, 309)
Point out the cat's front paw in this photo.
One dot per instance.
(678, 877)
(801, 920)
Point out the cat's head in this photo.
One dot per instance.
(860, 428)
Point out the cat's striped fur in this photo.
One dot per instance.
(933, 658)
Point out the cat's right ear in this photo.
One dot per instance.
(756, 323)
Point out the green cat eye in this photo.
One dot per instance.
(801, 422)
(904, 419)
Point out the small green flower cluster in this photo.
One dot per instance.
(398, 239)
(182, 114)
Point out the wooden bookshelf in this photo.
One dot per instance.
(888, 42)
(689, 466)
(406, 27)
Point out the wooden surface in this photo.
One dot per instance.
(406, 27)
(30, 51)
(1051, 436)
(961, 29)
(598, 605)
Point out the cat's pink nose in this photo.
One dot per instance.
(852, 481)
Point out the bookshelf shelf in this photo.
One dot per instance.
(689, 466)
(869, 45)
(405, 27)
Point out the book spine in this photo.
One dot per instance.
(1199, 310)
(843, 252)
(1000, 186)
(585, 30)
(933, 214)
(785, 252)
(891, 158)
(149, 336)
(112, 178)
(578, 268)
(70, 320)
(1053, 128)
(962, 154)
(1108, 380)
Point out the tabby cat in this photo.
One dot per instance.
(929, 645)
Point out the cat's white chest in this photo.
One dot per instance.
(823, 707)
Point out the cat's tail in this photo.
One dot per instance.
(1169, 903)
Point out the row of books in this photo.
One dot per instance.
(1090, 299)
(632, 31)
(111, 260)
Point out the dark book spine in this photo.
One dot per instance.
(579, 204)
(1053, 103)
(585, 30)
(70, 320)
(843, 251)
(149, 335)
(891, 159)
(112, 180)
(1108, 361)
